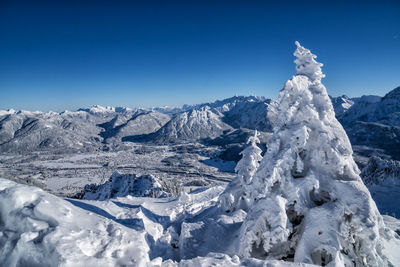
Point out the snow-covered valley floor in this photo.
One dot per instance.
(191, 165)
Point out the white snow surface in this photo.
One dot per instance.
(39, 229)
(7, 112)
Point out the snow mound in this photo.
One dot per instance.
(309, 202)
(120, 185)
(39, 229)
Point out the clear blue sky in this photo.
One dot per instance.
(57, 55)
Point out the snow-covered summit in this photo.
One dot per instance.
(97, 109)
(341, 104)
(7, 112)
(375, 122)
(191, 125)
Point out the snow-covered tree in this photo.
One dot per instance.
(310, 204)
(251, 157)
(235, 196)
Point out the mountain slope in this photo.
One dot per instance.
(374, 123)
(28, 131)
(341, 104)
(140, 122)
(212, 120)
(190, 126)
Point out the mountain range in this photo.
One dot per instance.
(371, 122)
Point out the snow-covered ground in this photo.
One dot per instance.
(66, 174)
(40, 229)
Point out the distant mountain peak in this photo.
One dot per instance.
(98, 109)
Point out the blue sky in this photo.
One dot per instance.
(57, 55)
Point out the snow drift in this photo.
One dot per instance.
(39, 229)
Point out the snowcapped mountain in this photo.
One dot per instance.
(375, 122)
(82, 130)
(234, 111)
(341, 104)
(139, 122)
(28, 131)
(191, 125)
(90, 128)
(97, 109)
(6, 112)
(368, 109)
(211, 120)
